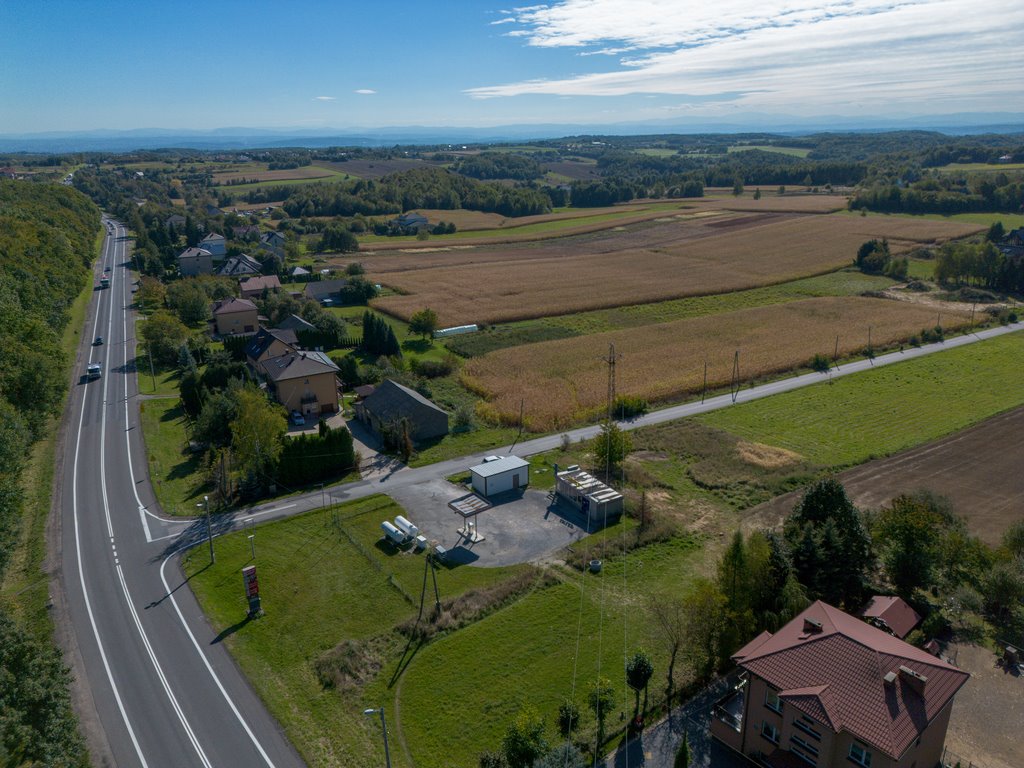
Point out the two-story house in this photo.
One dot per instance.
(235, 316)
(829, 690)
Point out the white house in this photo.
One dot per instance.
(215, 244)
(500, 474)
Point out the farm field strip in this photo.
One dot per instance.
(880, 412)
(508, 285)
(791, 151)
(564, 381)
(263, 175)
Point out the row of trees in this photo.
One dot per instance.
(981, 264)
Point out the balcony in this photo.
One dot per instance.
(729, 708)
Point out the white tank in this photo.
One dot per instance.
(393, 533)
(406, 527)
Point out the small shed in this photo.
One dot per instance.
(601, 504)
(500, 474)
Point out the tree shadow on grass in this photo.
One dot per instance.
(419, 346)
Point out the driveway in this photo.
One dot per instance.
(519, 526)
(656, 747)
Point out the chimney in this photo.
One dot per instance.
(890, 679)
(914, 679)
(811, 626)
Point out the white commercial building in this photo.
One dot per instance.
(500, 474)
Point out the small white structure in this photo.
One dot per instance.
(405, 526)
(499, 474)
(396, 536)
(454, 330)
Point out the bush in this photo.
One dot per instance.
(820, 363)
(433, 369)
(568, 717)
(626, 407)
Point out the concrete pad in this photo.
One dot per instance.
(519, 527)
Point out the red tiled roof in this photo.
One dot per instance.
(894, 612)
(836, 675)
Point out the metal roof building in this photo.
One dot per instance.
(500, 474)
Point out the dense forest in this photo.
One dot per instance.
(47, 235)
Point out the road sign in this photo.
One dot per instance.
(252, 590)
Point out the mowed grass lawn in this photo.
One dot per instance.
(177, 480)
(880, 412)
(323, 579)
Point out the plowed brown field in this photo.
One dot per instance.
(684, 257)
(564, 381)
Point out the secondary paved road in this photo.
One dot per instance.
(155, 687)
(154, 680)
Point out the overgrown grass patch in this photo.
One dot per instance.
(176, 473)
(879, 412)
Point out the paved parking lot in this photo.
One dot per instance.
(518, 528)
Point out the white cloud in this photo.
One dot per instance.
(364, 91)
(324, 98)
(798, 55)
(506, 20)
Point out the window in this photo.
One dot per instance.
(860, 755)
(806, 725)
(804, 745)
(770, 732)
(772, 700)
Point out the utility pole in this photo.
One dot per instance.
(835, 355)
(152, 375)
(209, 528)
(704, 389)
(735, 384)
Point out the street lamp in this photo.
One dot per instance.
(383, 729)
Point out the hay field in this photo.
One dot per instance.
(771, 202)
(503, 285)
(564, 381)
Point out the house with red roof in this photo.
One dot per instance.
(830, 690)
(891, 614)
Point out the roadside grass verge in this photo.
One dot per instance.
(176, 473)
(880, 412)
(323, 580)
(457, 444)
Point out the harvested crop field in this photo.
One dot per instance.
(375, 169)
(564, 381)
(305, 172)
(573, 169)
(972, 468)
(653, 262)
(771, 202)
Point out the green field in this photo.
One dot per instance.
(176, 478)
(657, 152)
(921, 269)
(982, 167)
(323, 580)
(880, 412)
(1009, 220)
(330, 177)
(791, 151)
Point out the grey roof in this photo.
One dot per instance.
(265, 337)
(392, 400)
(320, 289)
(242, 264)
(499, 466)
(296, 323)
(213, 236)
(299, 271)
(297, 365)
(193, 252)
(273, 235)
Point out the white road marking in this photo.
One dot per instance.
(85, 590)
(199, 650)
(124, 586)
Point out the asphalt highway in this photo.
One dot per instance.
(155, 686)
(161, 690)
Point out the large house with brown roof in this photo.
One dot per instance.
(254, 286)
(829, 690)
(303, 381)
(268, 343)
(233, 316)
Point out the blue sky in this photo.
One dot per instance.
(213, 64)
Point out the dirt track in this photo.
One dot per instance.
(978, 469)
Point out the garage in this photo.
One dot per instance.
(499, 474)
